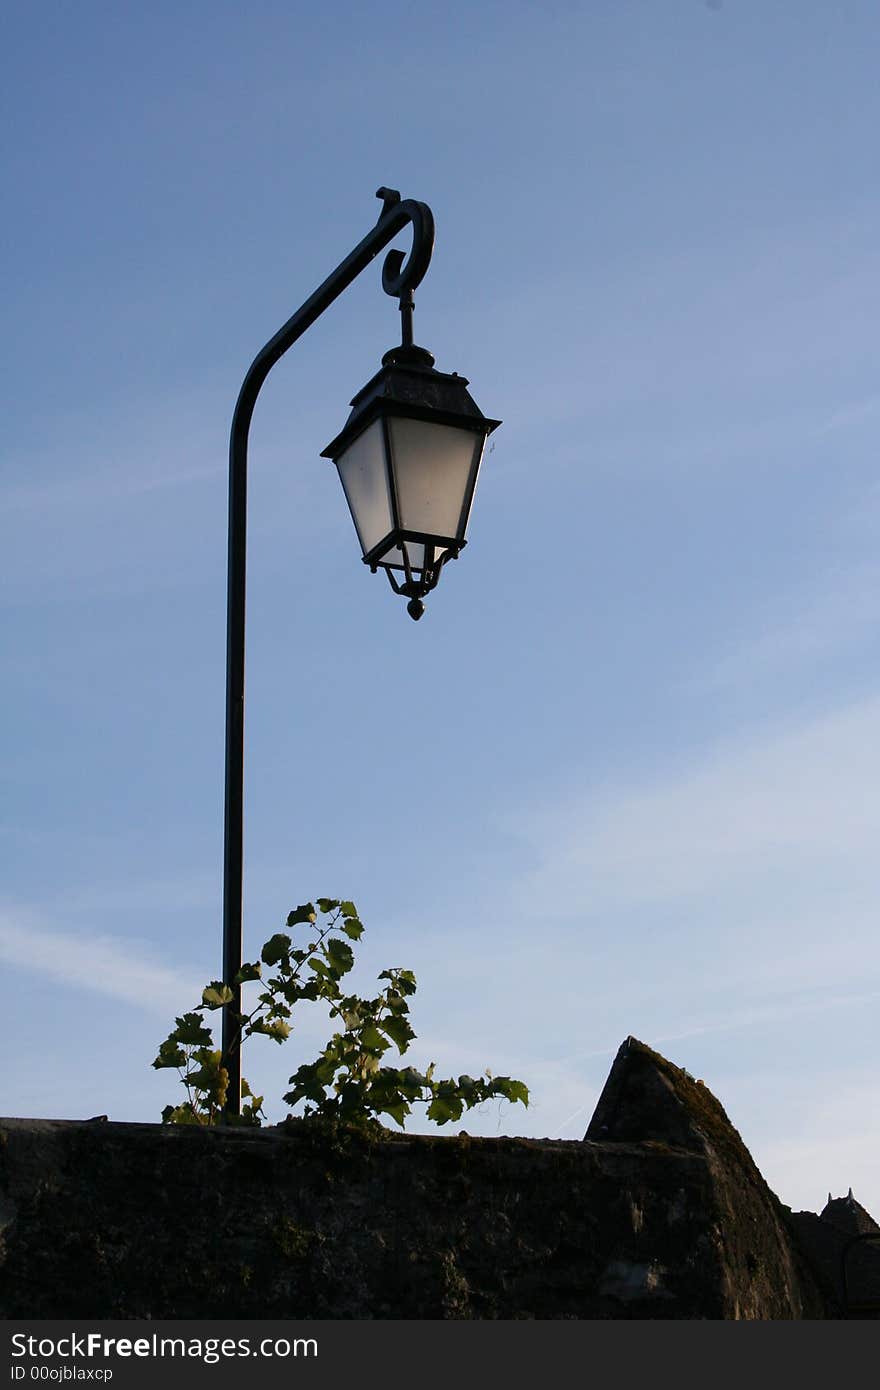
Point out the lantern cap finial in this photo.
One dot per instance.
(408, 355)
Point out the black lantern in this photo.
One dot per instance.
(408, 459)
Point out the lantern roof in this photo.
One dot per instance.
(408, 384)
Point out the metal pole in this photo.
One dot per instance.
(397, 279)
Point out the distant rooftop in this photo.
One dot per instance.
(830, 1242)
(849, 1216)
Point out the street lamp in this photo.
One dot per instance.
(407, 457)
(408, 460)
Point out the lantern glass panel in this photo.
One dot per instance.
(393, 559)
(434, 467)
(364, 477)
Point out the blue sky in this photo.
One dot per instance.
(623, 776)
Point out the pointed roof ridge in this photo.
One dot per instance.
(848, 1214)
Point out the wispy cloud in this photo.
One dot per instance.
(805, 629)
(859, 412)
(100, 963)
(776, 1011)
(104, 486)
(797, 802)
(821, 1133)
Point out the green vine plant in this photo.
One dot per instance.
(348, 1082)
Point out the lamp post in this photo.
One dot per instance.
(408, 458)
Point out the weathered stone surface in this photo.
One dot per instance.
(102, 1220)
(649, 1100)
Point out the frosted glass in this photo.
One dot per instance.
(416, 552)
(365, 480)
(433, 470)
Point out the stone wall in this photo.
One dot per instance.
(659, 1213)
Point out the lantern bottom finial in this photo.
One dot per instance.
(415, 608)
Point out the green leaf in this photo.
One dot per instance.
(306, 1085)
(413, 1083)
(340, 955)
(442, 1109)
(398, 1030)
(325, 1070)
(513, 1090)
(348, 909)
(251, 970)
(274, 1028)
(326, 905)
(398, 1110)
(275, 949)
(370, 1038)
(191, 1030)
(210, 1076)
(216, 995)
(352, 928)
(171, 1054)
(277, 1010)
(304, 913)
(291, 990)
(404, 981)
(249, 1117)
(181, 1115)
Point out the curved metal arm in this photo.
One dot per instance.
(400, 276)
